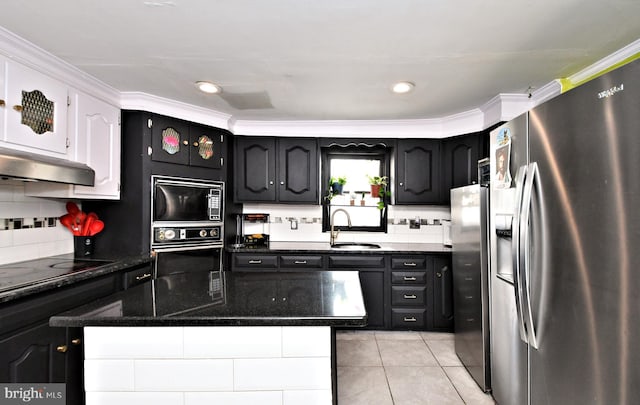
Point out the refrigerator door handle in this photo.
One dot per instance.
(515, 252)
(531, 180)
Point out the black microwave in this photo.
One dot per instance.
(182, 200)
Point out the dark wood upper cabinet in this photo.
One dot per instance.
(417, 171)
(255, 159)
(297, 170)
(460, 157)
(276, 170)
(184, 143)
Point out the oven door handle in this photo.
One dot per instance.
(183, 248)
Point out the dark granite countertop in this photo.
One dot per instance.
(22, 279)
(325, 247)
(323, 298)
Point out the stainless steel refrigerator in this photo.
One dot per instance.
(469, 214)
(565, 248)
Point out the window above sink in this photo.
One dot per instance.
(353, 165)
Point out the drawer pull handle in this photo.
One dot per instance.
(143, 277)
(255, 261)
(18, 108)
(76, 341)
(410, 297)
(412, 319)
(300, 262)
(1, 103)
(409, 278)
(410, 264)
(62, 349)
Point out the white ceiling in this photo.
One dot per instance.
(327, 59)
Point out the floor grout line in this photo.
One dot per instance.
(422, 338)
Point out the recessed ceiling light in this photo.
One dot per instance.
(402, 87)
(209, 87)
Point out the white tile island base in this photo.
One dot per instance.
(194, 365)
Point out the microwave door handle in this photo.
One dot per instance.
(515, 252)
(159, 203)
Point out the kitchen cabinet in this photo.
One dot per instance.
(283, 170)
(261, 262)
(94, 139)
(460, 157)
(442, 294)
(184, 143)
(136, 276)
(417, 166)
(411, 292)
(32, 351)
(254, 262)
(35, 111)
(295, 263)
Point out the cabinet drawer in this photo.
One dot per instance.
(137, 276)
(361, 261)
(408, 295)
(301, 262)
(417, 263)
(408, 318)
(409, 277)
(261, 262)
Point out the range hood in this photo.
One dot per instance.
(17, 165)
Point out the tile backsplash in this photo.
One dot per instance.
(29, 226)
(307, 221)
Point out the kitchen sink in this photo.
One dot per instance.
(354, 246)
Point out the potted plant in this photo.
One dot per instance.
(362, 202)
(336, 184)
(377, 183)
(352, 198)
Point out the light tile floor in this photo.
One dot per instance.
(403, 368)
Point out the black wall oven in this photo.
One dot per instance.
(187, 225)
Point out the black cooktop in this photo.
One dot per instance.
(16, 275)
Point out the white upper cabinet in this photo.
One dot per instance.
(94, 139)
(34, 111)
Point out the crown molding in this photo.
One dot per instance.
(20, 50)
(456, 124)
(628, 52)
(172, 108)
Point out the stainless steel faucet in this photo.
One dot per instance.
(334, 235)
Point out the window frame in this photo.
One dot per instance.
(351, 151)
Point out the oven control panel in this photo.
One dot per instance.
(177, 235)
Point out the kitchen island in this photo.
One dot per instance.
(218, 337)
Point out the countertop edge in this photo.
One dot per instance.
(69, 279)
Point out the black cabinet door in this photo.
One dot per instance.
(255, 160)
(169, 140)
(205, 144)
(75, 366)
(297, 170)
(443, 295)
(372, 283)
(460, 162)
(417, 171)
(34, 355)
